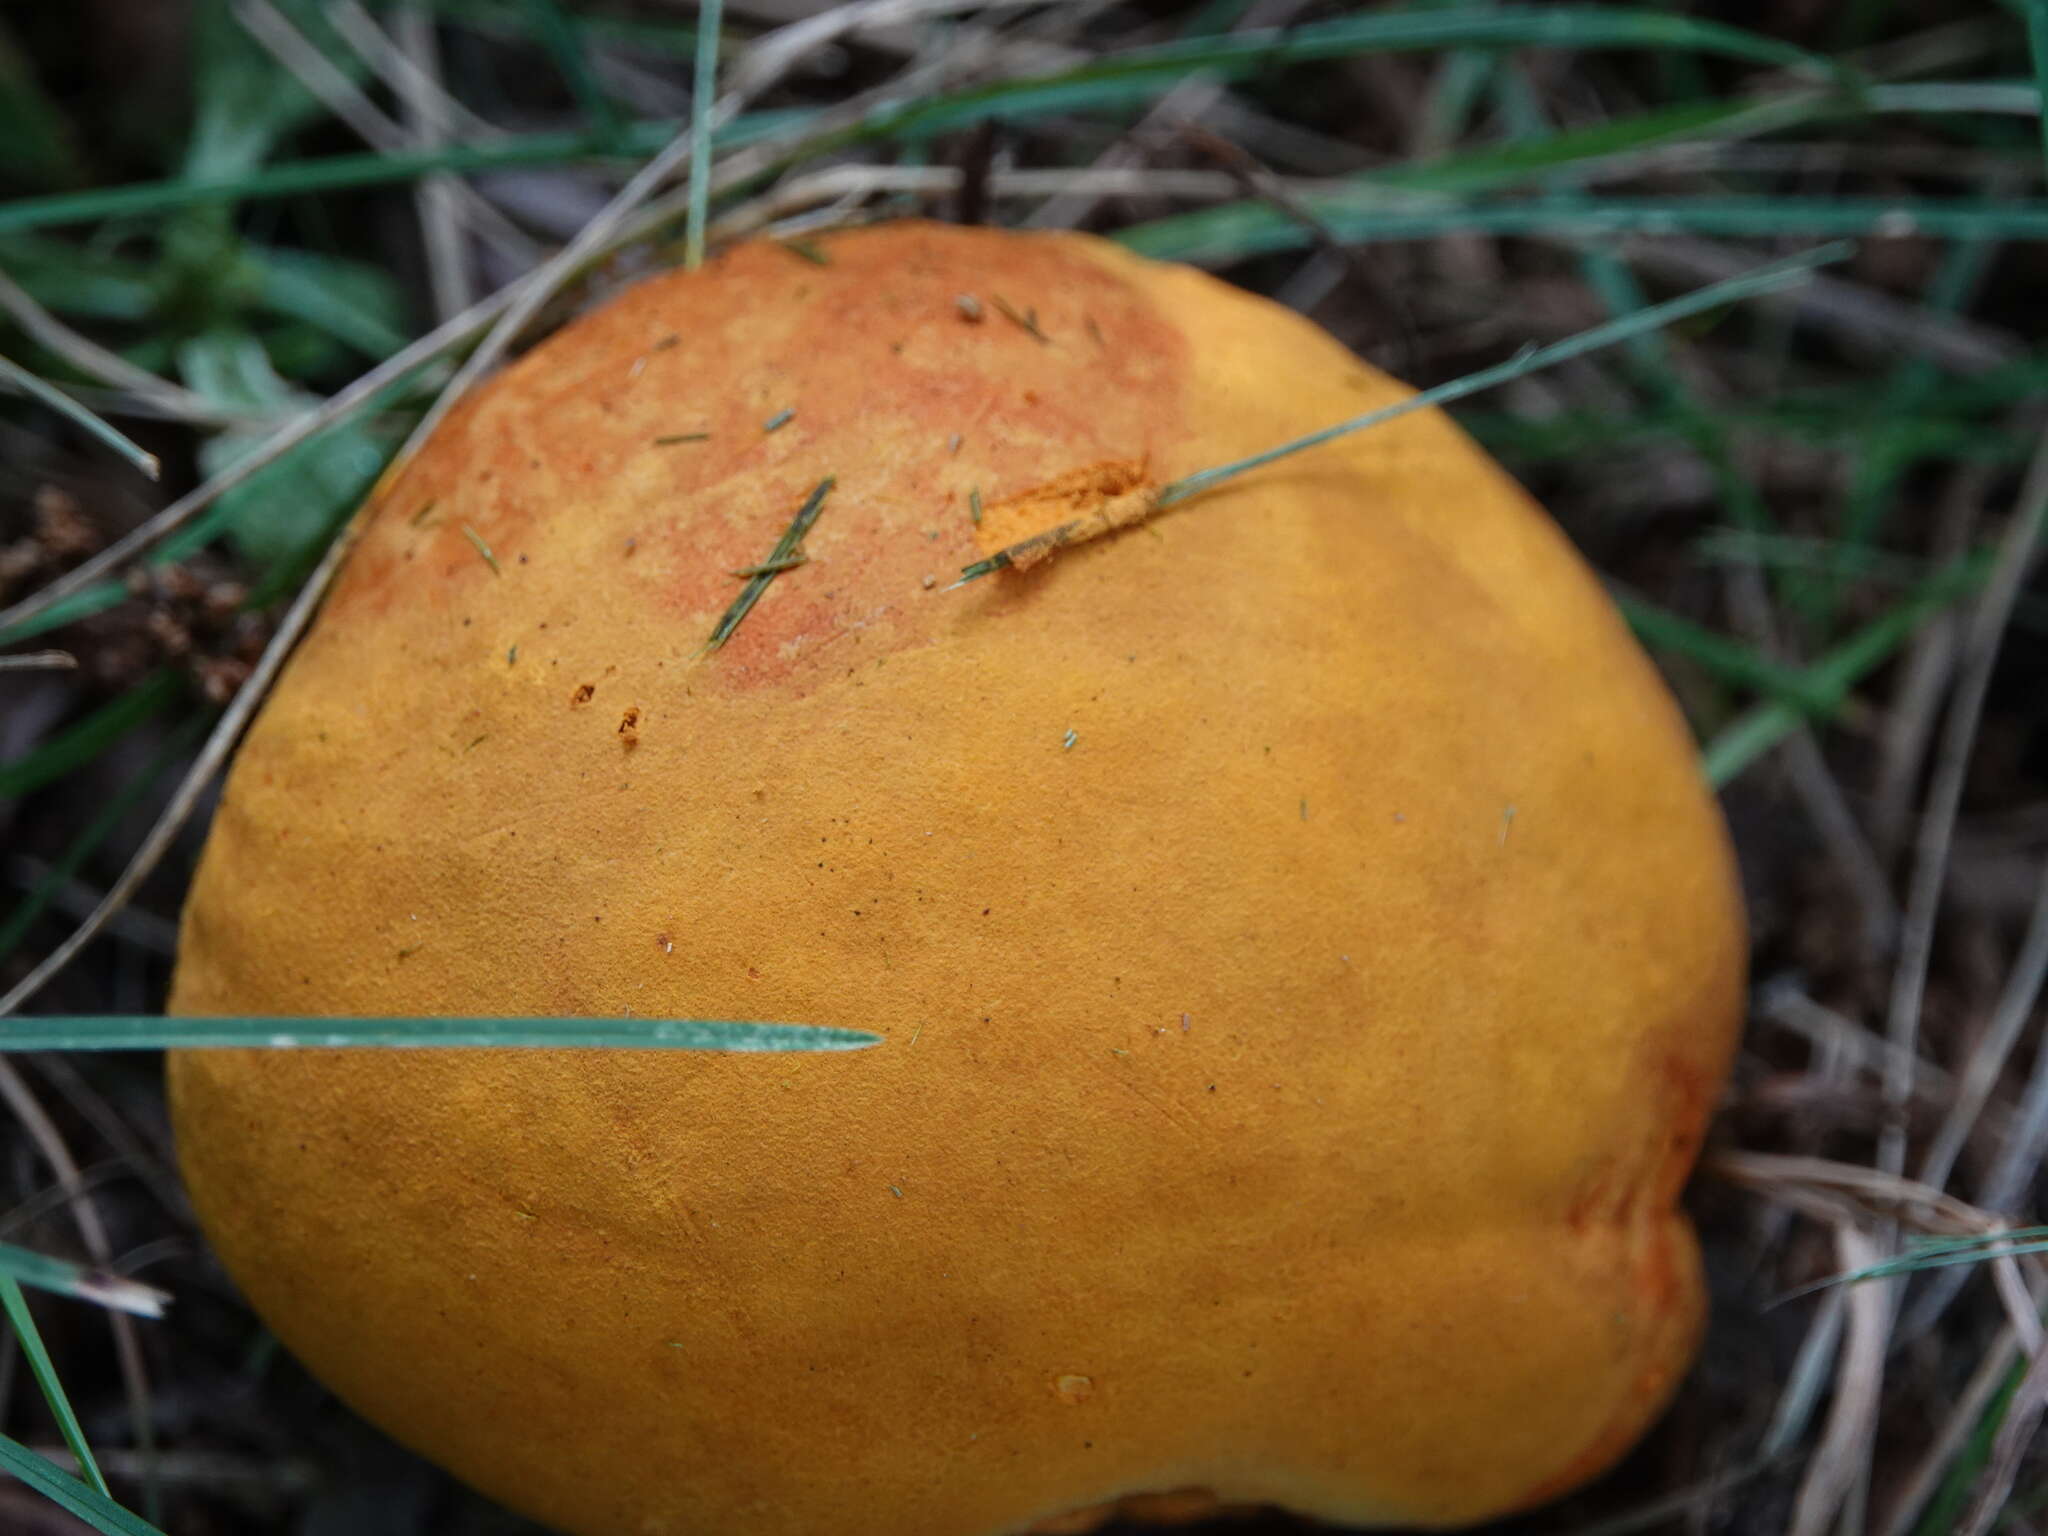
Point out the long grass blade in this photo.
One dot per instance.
(69, 1494)
(1133, 75)
(1764, 279)
(49, 394)
(1386, 213)
(703, 97)
(15, 1304)
(142, 1032)
(1760, 729)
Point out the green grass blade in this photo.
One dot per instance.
(80, 605)
(1938, 1253)
(702, 100)
(333, 173)
(89, 737)
(2036, 14)
(102, 826)
(37, 145)
(560, 34)
(1730, 660)
(1762, 728)
(69, 1494)
(55, 398)
(1262, 51)
(61, 1277)
(1381, 213)
(354, 303)
(16, 1306)
(1886, 454)
(1135, 74)
(1945, 1510)
(1764, 279)
(142, 1032)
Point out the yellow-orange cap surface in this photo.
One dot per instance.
(1306, 952)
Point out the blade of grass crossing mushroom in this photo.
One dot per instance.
(150, 1032)
(779, 559)
(709, 15)
(55, 398)
(81, 1282)
(15, 1304)
(69, 1494)
(1765, 279)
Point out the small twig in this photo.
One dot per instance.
(39, 661)
(977, 161)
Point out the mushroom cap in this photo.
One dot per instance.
(1306, 951)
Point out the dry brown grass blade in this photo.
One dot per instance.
(96, 361)
(441, 201)
(1823, 1185)
(161, 525)
(1944, 795)
(1994, 1046)
(1836, 1467)
(759, 68)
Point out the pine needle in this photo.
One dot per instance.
(785, 547)
(483, 549)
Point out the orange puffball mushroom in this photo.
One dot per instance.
(1306, 952)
